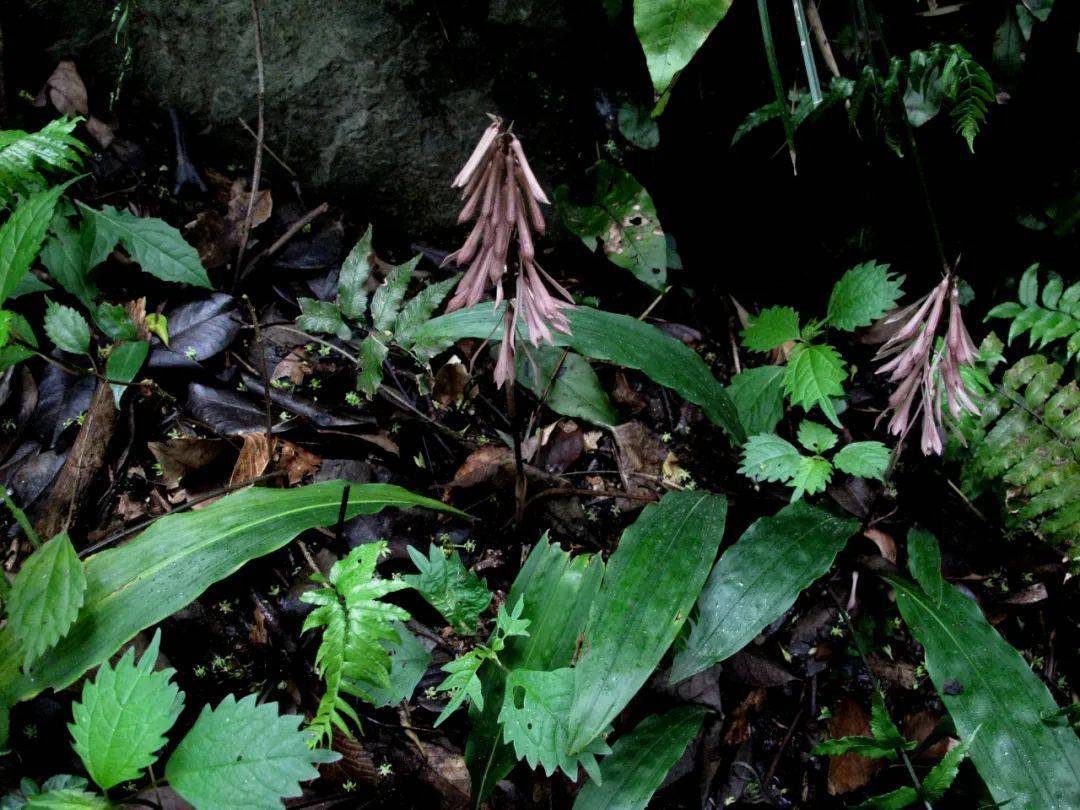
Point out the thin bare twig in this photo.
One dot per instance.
(280, 161)
(256, 172)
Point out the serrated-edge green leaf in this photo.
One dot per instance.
(45, 600)
(449, 587)
(386, 301)
(868, 459)
(21, 237)
(816, 438)
(767, 457)
(352, 297)
(66, 328)
(123, 715)
(862, 295)
(815, 374)
(771, 329)
(758, 394)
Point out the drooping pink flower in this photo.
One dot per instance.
(503, 195)
(925, 376)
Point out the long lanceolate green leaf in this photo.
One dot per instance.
(556, 592)
(640, 760)
(24, 156)
(1025, 761)
(176, 559)
(652, 581)
(757, 579)
(601, 335)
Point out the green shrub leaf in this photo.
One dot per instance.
(758, 394)
(656, 572)
(419, 308)
(569, 382)
(67, 328)
(862, 295)
(26, 157)
(640, 760)
(812, 476)
(771, 329)
(457, 593)
(124, 362)
(157, 246)
(767, 457)
(241, 754)
(121, 720)
(924, 562)
(757, 579)
(21, 237)
(352, 296)
(671, 31)
(373, 352)
(65, 257)
(386, 301)
(815, 374)
(864, 459)
(322, 318)
(45, 600)
(409, 661)
(816, 438)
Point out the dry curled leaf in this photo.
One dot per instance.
(253, 459)
(297, 462)
(848, 772)
(483, 465)
(641, 458)
(180, 457)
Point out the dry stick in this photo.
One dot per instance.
(266, 148)
(286, 237)
(814, 20)
(261, 344)
(256, 173)
(520, 483)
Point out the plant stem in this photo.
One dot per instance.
(256, 172)
(20, 518)
(778, 87)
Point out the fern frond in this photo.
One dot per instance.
(1027, 444)
(25, 157)
(1056, 318)
(351, 657)
(970, 90)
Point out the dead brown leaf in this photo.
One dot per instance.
(66, 91)
(561, 445)
(483, 465)
(294, 366)
(451, 381)
(626, 395)
(849, 772)
(297, 462)
(253, 459)
(180, 457)
(886, 545)
(897, 673)
(85, 459)
(739, 730)
(640, 456)
(1028, 596)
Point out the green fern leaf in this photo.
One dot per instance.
(1026, 444)
(26, 157)
(352, 657)
(970, 90)
(457, 593)
(1056, 318)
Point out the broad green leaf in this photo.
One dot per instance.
(409, 661)
(938, 781)
(599, 335)
(638, 127)
(11, 354)
(21, 237)
(67, 261)
(115, 322)
(45, 599)
(449, 587)
(155, 245)
(812, 476)
(556, 592)
(815, 374)
(568, 381)
(418, 309)
(66, 328)
(356, 623)
(758, 579)
(985, 684)
(862, 295)
(28, 285)
(816, 438)
(27, 157)
(124, 363)
(535, 721)
(622, 219)
(758, 394)
(863, 459)
(63, 792)
(771, 329)
(767, 457)
(160, 571)
(373, 352)
(924, 563)
(671, 31)
(386, 301)
(640, 760)
(322, 318)
(123, 716)
(352, 280)
(241, 754)
(648, 591)
(7, 320)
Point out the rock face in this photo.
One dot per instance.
(381, 99)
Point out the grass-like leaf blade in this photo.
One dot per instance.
(640, 760)
(651, 583)
(757, 579)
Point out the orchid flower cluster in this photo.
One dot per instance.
(503, 195)
(924, 375)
